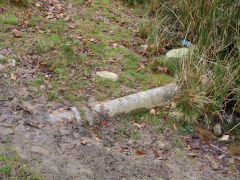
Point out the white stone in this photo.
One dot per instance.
(217, 129)
(224, 138)
(11, 62)
(178, 53)
(61, 117)
(77, 114)
(108, 75)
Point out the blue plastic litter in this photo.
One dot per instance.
(186, 43)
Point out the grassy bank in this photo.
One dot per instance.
(210, 78)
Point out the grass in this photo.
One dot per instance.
(11, 20)
(60, 53)
(13, 167)
(211, 76)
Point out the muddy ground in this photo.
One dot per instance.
(49, 77)
(67, 150)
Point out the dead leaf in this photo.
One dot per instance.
(51, 68)
(139, 126)
(97, 139)
(152, 112)
(72, 25)
(104, 123)
(140, 152)
(13, 77)
(141, 67)
(114, 45)
(16, 33)
(174, 127)
(62, 89)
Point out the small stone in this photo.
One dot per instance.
(77, 114)
(160, 145)
(214, 165)
(83, 142)
(144, 47)
(11, 62)
(61, 116)
(2, 57)
(108, 75)
(231, 161)
(76, 135)
(6, 131)
(178, 53)
(40, 150)
(224, 138)
(217, 129)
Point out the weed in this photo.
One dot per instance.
(177, 142)
(69, 97)
(11, 162)
(52, 96)
(12, 20)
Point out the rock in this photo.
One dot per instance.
(224, 138)
(83, 141)
(61, 116)
(11, 62)
(64, 131)
(214, 165)
(108, 75)
(76, 135)
(217, 129)
(231, 161)
(6, 131)
(144, 47)
(77, 114)
(16, 33)
(160, 145)
(3, 68)
(2, 57)
(89, 115)
(39, 150)
(178, 53)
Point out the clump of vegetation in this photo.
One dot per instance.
(12, 166)
(210, 78)
(18, 2)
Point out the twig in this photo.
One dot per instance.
(219, 149)
(233, 128)
(32, 71)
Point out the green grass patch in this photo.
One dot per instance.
(13, 167)
(11, 20)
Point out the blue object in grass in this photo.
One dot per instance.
(186, 43)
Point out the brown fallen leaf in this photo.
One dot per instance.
(13, 77)
(62, 89)
(104, 123)
(139, 126)
(140, 152)
(152, 112)
(174, 127)
(72, 25)
(114, 45)
(16, 33)
(51, 68)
